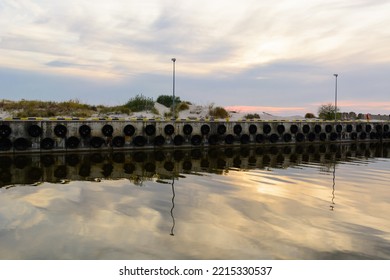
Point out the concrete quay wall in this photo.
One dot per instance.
(40, 135)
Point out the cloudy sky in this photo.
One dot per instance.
(272, 56)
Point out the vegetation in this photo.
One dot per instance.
(327, 112)
(140, 103)
(182, 106)
(218, 112)
(35, 108)
(166, 100)
(252, 116)
(310, 116)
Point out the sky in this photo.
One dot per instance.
(277, 57)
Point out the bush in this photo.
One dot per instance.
(252, 116)
(218, 112)
(166, 100)
(310, 116)
(182, 106)
(140, 103)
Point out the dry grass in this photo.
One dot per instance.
(72, 108)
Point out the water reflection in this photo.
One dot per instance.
(140, 166)
(235, 203)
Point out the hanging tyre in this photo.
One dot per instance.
(293, 128)
(159, 140)
(237, 129)
(287, 137)
(221, 129)
(368, 128)
(169, 129)
(96, 142)
(5, 144)
(267, 128)
(213, 139)
(5, 130)
(363, 135)
(34, 130)
(47, 143)
(323, 136)
(354, 136)
(300, 137)
(229, 139)
(252, 129)
(359, 128)
(60, 130)
(129, 130)
(373, 135)
(260, 138)
(139, 141)
(244, 139)
(150, 130)
(118, 141)
(317, 128)
(187, 129)
(349, 128)
(22, 144)
(72, 142)
(339, 128)
(306, 129)
(205, 129)
(178, 140)
(107, 130)
(281, 129)
(333, 136)
(84, 131)
(274, 138)
(311, 136)
(196, 140)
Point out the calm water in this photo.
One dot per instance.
(293, 202)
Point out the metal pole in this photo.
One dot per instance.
(173, 93)
(335, 99)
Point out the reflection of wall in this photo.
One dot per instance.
(61, 135)
(163, 164)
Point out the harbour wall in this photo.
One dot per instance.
(58, 134)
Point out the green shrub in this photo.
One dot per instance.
(140, 103)
(166, 100)
(252, 116)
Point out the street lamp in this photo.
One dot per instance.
(335, 98)
(173, 93)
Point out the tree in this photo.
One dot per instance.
(327, 111)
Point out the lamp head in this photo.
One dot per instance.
(174, 59)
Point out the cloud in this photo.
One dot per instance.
(271, 54)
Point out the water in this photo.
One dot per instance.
(288, 202)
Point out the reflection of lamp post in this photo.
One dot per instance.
(173, 92)
(335, 99)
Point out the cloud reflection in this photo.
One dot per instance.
(274, 212)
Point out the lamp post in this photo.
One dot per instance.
(335, 98)
(173, 91)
